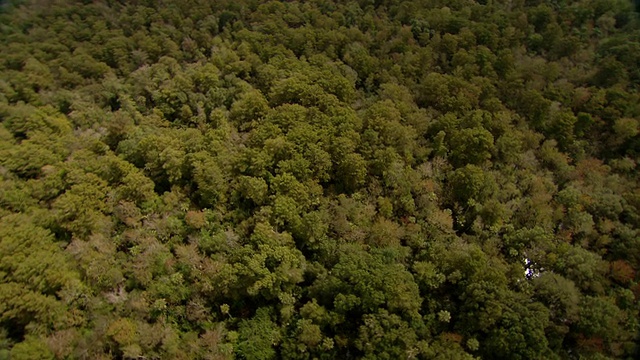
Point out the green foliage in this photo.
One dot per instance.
(31, 349)
(319, 180)
(257, 337)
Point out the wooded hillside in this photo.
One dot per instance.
(325, 179)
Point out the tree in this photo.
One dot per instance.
(257, 336)
(471, 146)
(37, 286)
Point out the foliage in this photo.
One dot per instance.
(319, 179)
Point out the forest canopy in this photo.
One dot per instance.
(324, 179)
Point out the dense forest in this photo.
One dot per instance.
(325, 179)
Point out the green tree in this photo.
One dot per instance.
(258, 336)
